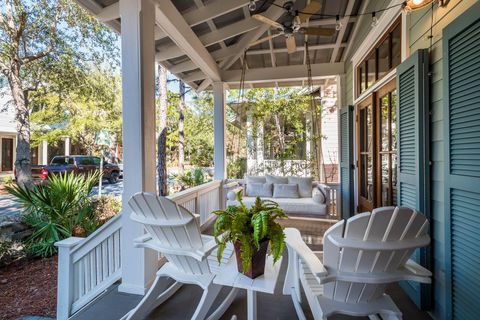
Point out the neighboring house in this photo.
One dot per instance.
(8, 138)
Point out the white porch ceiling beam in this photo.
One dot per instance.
(194, 76)
(173, 23)
(209, 12)
(229, 51)
(109, 13)
(273, 13)
(356, 27)
(341, 33)
(93, 7)
(285, 73)
(215, 36)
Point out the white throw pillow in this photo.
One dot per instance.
(255, 179)
(318, 196)
(276, 179)
(259, 190)
(285, 190)
(304, 185)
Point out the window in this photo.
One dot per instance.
(85, 161)
(96, 161)
(61, 161)
(385, 56)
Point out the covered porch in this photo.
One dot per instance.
(205, 44)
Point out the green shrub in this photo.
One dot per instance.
(7, 181)
(192, 178)
(105, 208)
(237, 168)
(56, 210)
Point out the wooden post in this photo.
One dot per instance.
(138, 96)
(219, 157)
(65, 277)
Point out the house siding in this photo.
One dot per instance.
(418, 24)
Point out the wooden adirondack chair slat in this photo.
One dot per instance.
(361, 255)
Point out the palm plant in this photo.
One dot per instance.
(56, 208)
(250, 227)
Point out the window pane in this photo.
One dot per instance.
(384, 135)
(383, 58)
(385, 197)
(396, 46)
(394, 179)
(361, 78)
(369, 128)
(371, 69)
(394, 120)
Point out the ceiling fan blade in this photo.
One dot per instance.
(318, 31)
(253, 43)
(268, 21)
(291, 44)
(310, 9)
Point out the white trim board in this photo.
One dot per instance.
(385, 21)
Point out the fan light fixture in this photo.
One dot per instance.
(338, 24)
(374, 20)
(411, 5)
(252, 6)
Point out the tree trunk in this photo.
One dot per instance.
(162, 134)
(181, 136)
(22, 116)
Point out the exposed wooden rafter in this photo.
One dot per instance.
(285, 73)
(341, 33)
(173, 23)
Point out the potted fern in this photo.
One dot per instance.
(250, 230)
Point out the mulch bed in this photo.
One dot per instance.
(28, 287)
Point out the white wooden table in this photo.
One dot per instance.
(229, 276)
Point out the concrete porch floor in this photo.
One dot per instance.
(113, 305)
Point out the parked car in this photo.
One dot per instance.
(78, 164)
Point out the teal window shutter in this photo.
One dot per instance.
(461, 83)
(346, 162)
(413, 153)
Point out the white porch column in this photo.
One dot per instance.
(44, 158)
(67, 146)
(219, 156)
(138, 96)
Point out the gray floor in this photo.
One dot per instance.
(113, 305)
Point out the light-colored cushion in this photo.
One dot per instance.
(285, 190)
(304, 185)
(276, 179)
(255, 179)
(259, 189)
(232, 195)
(295, 206)
(318, 196)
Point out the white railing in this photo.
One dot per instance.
(202, 199)
(88, 266)
(300, 168)
(334, 197)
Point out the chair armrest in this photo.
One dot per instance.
(294, 240)
(200, 254)
(417, 269)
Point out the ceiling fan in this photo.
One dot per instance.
(289, 28)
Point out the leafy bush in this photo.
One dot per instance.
(7, 181)
(237, 168)
(105, 208)
(250, 226)
(192, 178)
(56, 209)
(9, 250)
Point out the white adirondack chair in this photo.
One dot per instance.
(361, 256)
(174, 232)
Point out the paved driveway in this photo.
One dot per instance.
(10, 209)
